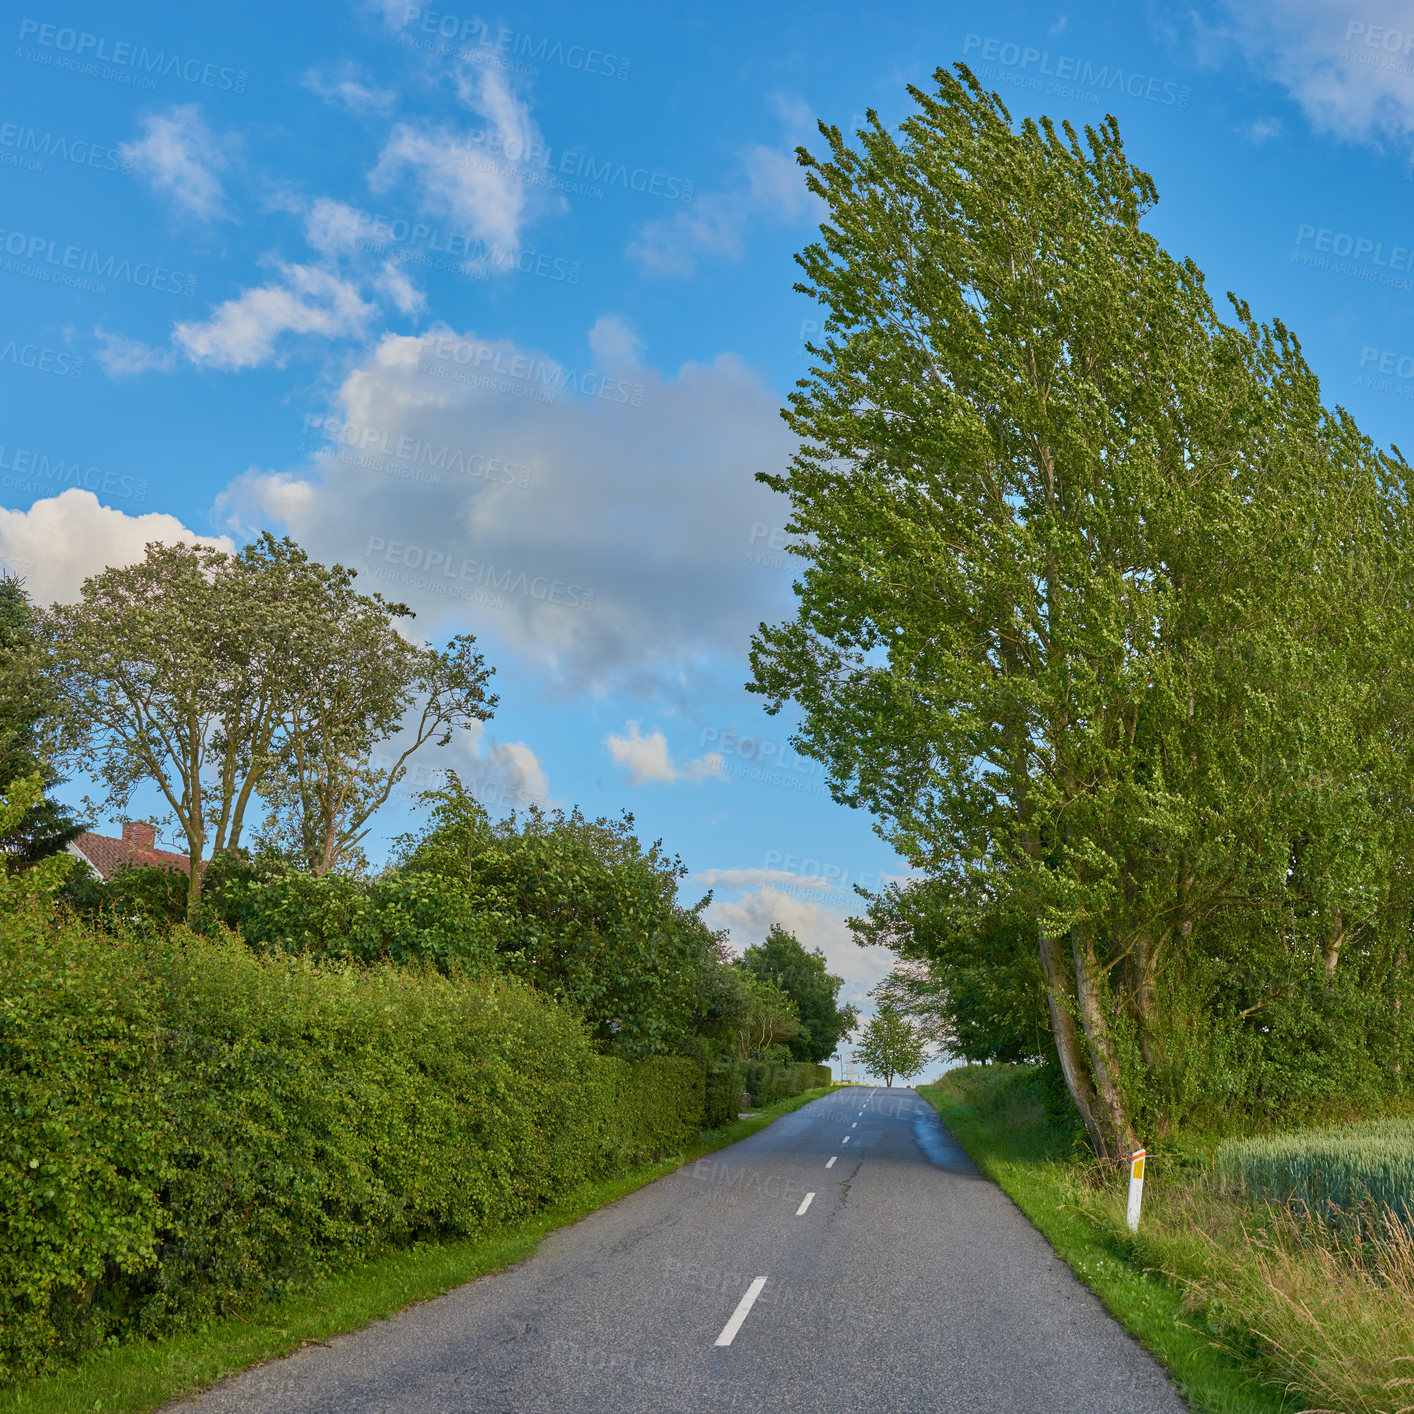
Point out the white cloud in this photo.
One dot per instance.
(520, 768)
(181, 158)
(503, 775)
(769, 185)
(1262, 130)
(638, 502)
(243, 332)
(332, 227)
(349, 87)
(815, 924)
(1351, 69)
(754, 878)
(393, 284)
(62, 540)
(648, 759)
(474, 183)
(122, 357)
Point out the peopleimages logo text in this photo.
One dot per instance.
(44, 251)
(1078, 71)
(99, 49)
(1344, 244)
(448, 565)
(28, 143)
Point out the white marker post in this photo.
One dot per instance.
(1136, 1189)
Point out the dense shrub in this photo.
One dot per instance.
(769, 1081)
(189, 1125)
(721, 1101)
(400, 918)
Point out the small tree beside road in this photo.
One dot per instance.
(892, 1045)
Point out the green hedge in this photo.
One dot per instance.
(186, 1126)
(721, 1099)
(766, 1081)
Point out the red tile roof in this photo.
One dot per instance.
(107, 855)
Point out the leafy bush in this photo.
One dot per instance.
(721, 1101)
(400, 918)
(1353, 1167)
(189, 1125)
(769, 1081)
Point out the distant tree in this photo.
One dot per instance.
(891, 1045)
(30, 733)
(805, 978)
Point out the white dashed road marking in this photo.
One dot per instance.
(805, 1203)
(743, 1308)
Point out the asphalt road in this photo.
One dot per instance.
(907, 1282)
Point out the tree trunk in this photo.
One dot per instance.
(1067, 1039)
(1104, 1064)
(1143, 958)
(194, 878)
(1334, 938)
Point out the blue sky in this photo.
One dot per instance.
(496, 306)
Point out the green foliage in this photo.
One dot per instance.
(399, 917)
(226, 679)
(769, 1019)
(31, 731)
(780, 1078)
(968, 975)
(804, 978)
(1352, 1168)
(722, 1091)
(578, 908)
(190, 1126)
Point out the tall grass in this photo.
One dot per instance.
(1358, 1167)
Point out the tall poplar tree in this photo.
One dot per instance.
(1102, 614)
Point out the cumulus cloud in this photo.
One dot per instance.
(754, 878)
(816, 924)
(1350, 68)
(597, 518)
(332, 227)
(469, 177)
(648, 759)
(349, 87)
(121, 357)
(304, 299)
(58, 542)
(392, 282)
(180, 158)
(502, 775)
(769, 185)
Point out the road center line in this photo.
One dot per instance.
(855, 1125)
(831, 1164)
(845, 1140)
(804, 1204)
(743, 1308)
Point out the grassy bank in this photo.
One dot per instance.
(138, 1376)
(1251, 1307)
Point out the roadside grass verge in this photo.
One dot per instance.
(139, 1375)
(1004, 1127)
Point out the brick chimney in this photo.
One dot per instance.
(140, 832)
